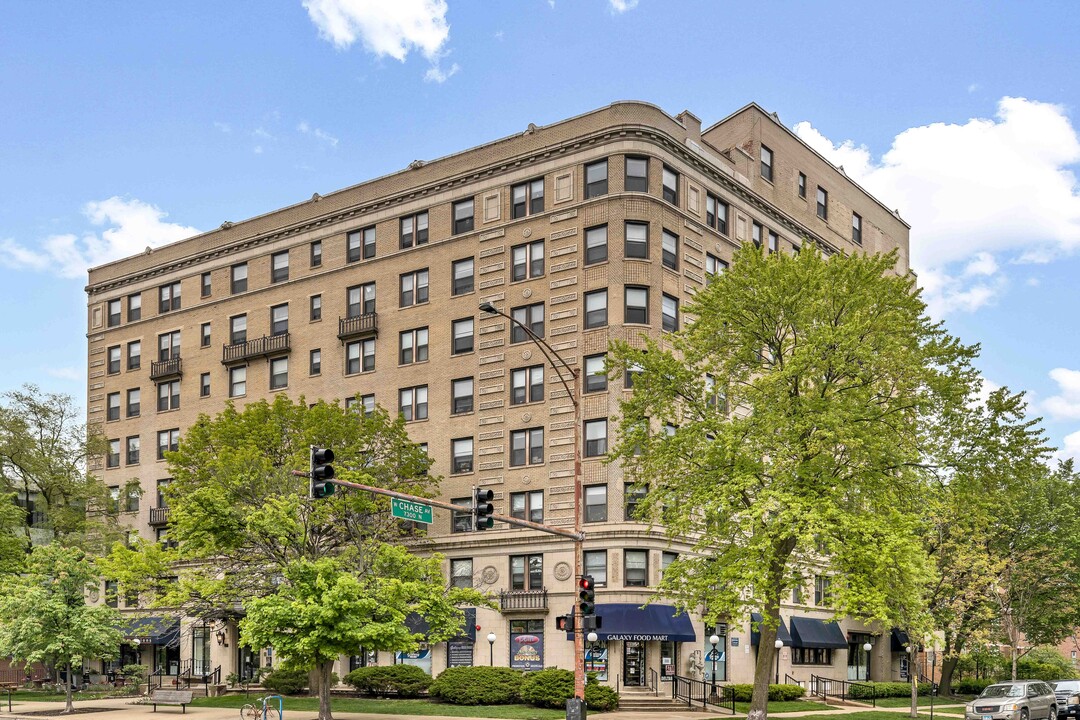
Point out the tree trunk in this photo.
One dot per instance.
(766, 658)
(1013, 649)
(948, 666)
(913, 675)
(325, 669)
(70, 708)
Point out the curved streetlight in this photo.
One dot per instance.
(491, 649)
(714, 640)
(778, 644)
(867, 647)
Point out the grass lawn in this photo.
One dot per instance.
(924, 701)
(45, 696)
(394, 707)
(868, 715)
(786, 706)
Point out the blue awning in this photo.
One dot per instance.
(755, 634)
(814, 633)
(900, 640)
(627, 621)
(154, 630)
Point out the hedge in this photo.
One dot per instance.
(286, 681)
(974, 686)
(777, 693)
(601, 698)
(477, 686)
(401, 680)
(548, 688)
(885, 689)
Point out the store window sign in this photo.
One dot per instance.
(596, 661)
(420, 658)
(526, 651)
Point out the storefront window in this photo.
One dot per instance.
(527, 644)
(669, 660)
(716, 668)
(596, 659)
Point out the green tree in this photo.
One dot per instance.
(12, 545)
(796, 410)
(44, 616)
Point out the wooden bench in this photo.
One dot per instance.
(171, 697)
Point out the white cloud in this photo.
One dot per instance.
(985, 388)
(130, 225)
(319, 134)
(385, 28)
(499, 35)
(1070, 447)
(436, 74)
(258, 150)
(1066, 404)
(973, 193)
(621, 6)
(1033, 282)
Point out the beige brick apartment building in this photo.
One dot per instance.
(594, 228)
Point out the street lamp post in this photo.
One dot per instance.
(778, 644)
(714, 639)
(572, 393)
(491, 649)
(867, 647)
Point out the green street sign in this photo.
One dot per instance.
(409, 510)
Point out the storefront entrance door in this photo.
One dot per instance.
(633, 663)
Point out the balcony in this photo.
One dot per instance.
(523, 600)
(259, 347)
(159, 516)
(360, 326)
(162, 369)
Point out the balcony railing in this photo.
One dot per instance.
(358, 326)
(510, 600)
(159, 516)
(161, 369)
(259, 347)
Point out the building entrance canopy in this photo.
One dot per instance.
(627, 621)
(756, 619)
(813, 633)
(154, 630)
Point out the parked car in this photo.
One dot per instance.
(1020, 700)
(1067, 694)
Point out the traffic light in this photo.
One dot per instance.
(320, 471)
(587, 595)
(565, 623)
(482, 508)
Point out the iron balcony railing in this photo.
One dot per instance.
(258, 347)
(358, 326)
(159, 516)
(161, 369)
(523, 599)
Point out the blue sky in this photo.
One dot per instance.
(124, 125)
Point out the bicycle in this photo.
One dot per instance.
(259, 710)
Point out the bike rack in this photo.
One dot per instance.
(280, 703)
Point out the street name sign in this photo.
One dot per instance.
(409, 510)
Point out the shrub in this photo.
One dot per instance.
(743, 692)
(477, 686)
(974, 686)
(134, 673)
(885, 689)
(286, 681)
(548, 688)
(400, 680)
(600, 698)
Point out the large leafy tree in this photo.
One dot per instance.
(44, 616)
(796, 411)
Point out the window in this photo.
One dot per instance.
(596, 503)
(633, 495)
(204, 385)
(461, 450)
(113, 359)
(414, 230)
(316, 253)
(596, 309)
(595, 373)
(204, 335)
(755, 234)
(822, 203)
(360, 244)
(367, 402)
(632, 370)
(637, 240)
(666, 560)
(532, 317)
(169, 297)
(167, 440)
(713, 266)
(596, 179)
(360, 356)
(237, 329)
(133, 443)
(168, 396)
(774, 241)
(811, 656)
(134, 402)
(821, 589)
(856, 228)
(463, 272)
(796, 593)
(637, 305)
(528, 505)
(527, 448)
(414, 288)
(315, 308)
(112, 592)
(279, 373)
(206, 285)
(526, 572)
(670, 242)
(134, 307)
(766, 163)
(461, 521)
(463, 336)
(413, 402)
(636, 568)
(596, 244)
(461, 573)
(637, 174)
(527, 385)
(595, 437)
(112, 459)
(112, 406)
(527, 261)
(239, 278)
(114, 313)
(716, 213)
(713, 397)
(463, 216)
(671, 185)
(527, 198)
(413, 346)
(279, 319)
(360, 300)
(315, 362)
(237, 381)
(461, 396)
(596, 565)
(802, 186)
(169, 346)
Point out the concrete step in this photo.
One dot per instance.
(649, 703)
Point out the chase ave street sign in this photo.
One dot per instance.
(409, 510)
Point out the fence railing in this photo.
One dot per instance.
(842, 690)
(699, 692)
(790, 680)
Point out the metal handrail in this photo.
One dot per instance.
(823, 688)
(795, 681)
(693, 691)
(654, 682)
